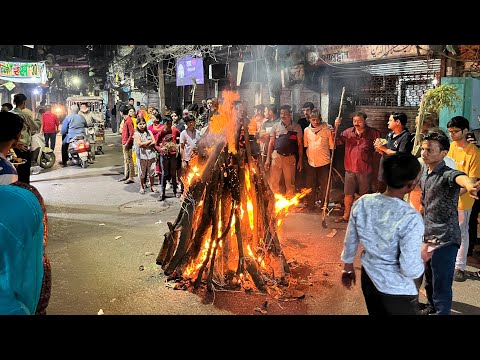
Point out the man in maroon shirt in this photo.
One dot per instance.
(127, 144)
(359, 158)
(49, 127)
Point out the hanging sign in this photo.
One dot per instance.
(9, 85)
(353, 53)
(23, 72)
(189, 71)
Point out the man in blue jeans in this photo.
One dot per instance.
(440, 190)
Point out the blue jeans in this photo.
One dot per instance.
(439, 278)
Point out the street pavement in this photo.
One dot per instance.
(104, 237)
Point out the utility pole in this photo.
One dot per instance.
(161, 85)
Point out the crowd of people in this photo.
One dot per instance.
(429, 195)
(420, 224)
(407, 243)
(156, 146)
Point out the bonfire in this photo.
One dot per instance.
(225, 234)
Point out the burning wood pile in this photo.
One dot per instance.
(225, 235)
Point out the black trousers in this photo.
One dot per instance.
(64, 153)
(316, 176)
(381, 304)
(24, 169)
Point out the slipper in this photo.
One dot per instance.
(128, 181)
(340, 220)
(122, 179)
(142, 191)
(475, 274)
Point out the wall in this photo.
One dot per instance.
(377, 117)
(138, 96)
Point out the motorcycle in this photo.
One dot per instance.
(42, 155)
(78, 151)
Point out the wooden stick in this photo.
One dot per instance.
(324, 212)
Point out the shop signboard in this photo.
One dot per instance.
(23, 72)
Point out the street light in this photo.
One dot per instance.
(76, 80)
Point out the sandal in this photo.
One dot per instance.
(475, 274)
(154, 190)
(340, 220)
(128, 181)
(142, 191)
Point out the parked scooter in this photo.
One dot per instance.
(78, 151)
(42, 155)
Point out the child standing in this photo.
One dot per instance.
(145, 154)
(391, 232)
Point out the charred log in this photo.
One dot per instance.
(226, 230)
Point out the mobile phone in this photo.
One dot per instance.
(471, 138)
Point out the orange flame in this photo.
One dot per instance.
(219, 227)
(195, 171)
(250, 252)
(247, 178)
(195, 265)
(250, 211)
(189, 270)
(225, 120)
(283, 203)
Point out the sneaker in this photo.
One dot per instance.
(459, 275)
(168, 186)
(35, 170)
(426, 309)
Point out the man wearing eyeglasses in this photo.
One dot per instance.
(467, 157)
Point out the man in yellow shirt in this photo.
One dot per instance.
(467, 159)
